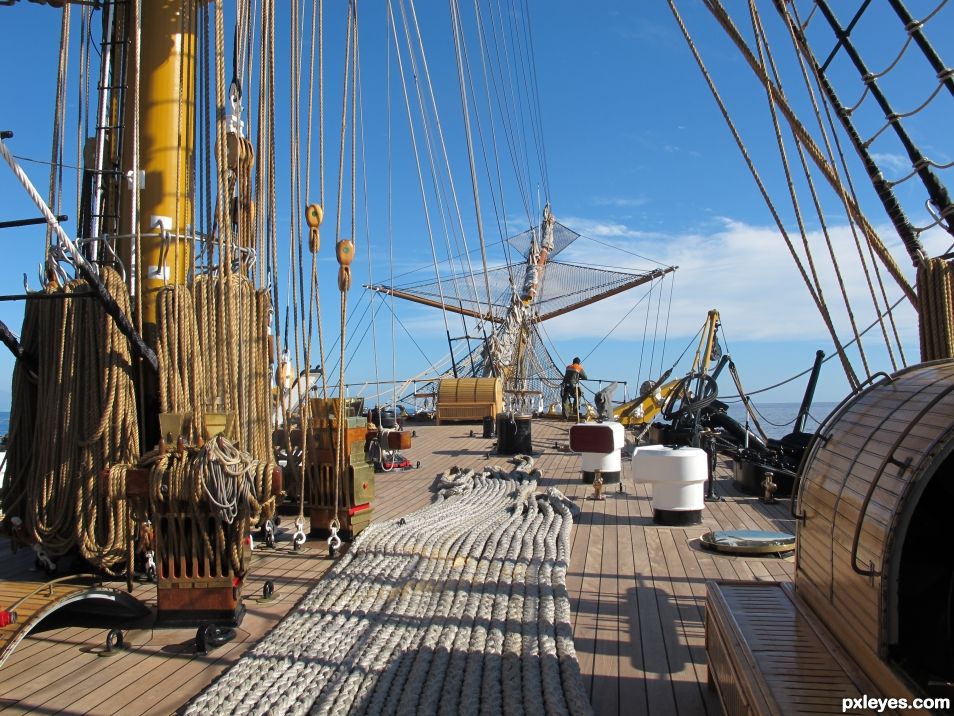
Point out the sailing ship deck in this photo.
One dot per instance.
(637, 593)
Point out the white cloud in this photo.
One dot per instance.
(621, 202)
(894, 162)
(746, 272)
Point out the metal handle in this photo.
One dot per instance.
(890, 459)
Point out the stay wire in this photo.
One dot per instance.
(420, 174)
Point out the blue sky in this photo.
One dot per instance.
(638, 158)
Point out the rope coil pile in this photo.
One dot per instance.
(81, 408)
(458, 608)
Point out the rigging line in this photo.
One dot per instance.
(517, 83)
(763, 45)
(409, 335)
(311, 305)
(659, 302)
(763, 51)
(827, 358)
(915, 30)
(59, 130)
(718, 11)
(83, 106)
(841, 193)
(893, 118)
(642, 344)
(450, 177)
(354, 325)
(505, 110)
(520, 82)
(458, 41)
(472, 92)
(314, 294)
(498, 173)
(534, 91)
(437, 184)
(915, 170)
(612, 330)
(352, 319)
(417, 160)
(311, 98)
(536, 94)
(344, 127)
(543, 329)
(390, 172)
(619, 248)
(296, 268)
(354, 129)
(752, 169)
(850, 197)
(819, 212)
(48, 163)
(662, 354)
(367, 230)
(418, 269)
(932, 184)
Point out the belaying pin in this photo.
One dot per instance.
(299, 538)
(334, 541)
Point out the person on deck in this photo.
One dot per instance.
(570, 394)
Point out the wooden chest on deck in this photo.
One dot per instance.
(352, 495)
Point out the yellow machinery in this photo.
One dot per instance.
(166, 144)
(650, 403)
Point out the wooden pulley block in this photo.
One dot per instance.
(345, 251)
(249, 151)
(314, 215)
(344, 278)
(283, 373)
(314, 240)
(234, 150)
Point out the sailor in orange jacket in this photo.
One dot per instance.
(571, 388)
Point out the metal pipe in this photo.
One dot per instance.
(29, 222)
(809, 392)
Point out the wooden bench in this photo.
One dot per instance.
(768, 654)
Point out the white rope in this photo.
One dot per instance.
(458, 608)
(34, 195)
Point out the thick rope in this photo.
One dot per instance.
(81, 407)
(934, 281)
(458, 608)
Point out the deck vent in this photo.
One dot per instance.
(748, 542)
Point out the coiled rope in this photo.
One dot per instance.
(81, 407)
(458, 608)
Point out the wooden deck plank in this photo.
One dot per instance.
(636, 590)
(632, 682)
(605, 690)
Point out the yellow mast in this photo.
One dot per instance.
(165, 124)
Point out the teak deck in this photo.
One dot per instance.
(637, 592)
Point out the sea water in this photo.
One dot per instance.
(778, 419)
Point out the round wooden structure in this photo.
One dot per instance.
(469, 398)
(874, 501)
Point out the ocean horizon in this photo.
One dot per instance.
(777, 419)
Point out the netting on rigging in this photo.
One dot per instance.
(562, 237)
(563, 286)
